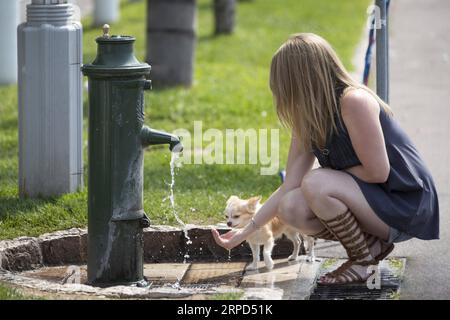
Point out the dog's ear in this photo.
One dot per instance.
(231, 199)
(253, 202)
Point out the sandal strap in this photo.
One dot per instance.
(346, 274)
(371, 240)
(325, 234)
(337, 218)
(356, 275)
(385, 247)
(347, 230)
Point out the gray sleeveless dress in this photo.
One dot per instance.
(407, 201)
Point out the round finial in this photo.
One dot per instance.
(106, 30)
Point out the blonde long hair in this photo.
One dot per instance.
(303, 76)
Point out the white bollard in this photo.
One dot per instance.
(106, 11)
(50, 100)
(9, 20)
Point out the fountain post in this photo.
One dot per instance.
(117, 138)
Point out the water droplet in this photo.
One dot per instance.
(176, 285)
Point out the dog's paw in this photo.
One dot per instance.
(252, 267)
(310, 259)
(293, 257)
(269, 264)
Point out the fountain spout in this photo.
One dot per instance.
(151, 136)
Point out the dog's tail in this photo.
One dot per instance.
(278, 227)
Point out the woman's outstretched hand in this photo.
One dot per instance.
(228, 240)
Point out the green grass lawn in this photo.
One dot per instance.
(7, 293)
(230, 91)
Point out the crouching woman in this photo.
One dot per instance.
(373, 188)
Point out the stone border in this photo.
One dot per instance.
(161, 244)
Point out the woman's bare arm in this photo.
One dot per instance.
(298, 164)
(360, 113)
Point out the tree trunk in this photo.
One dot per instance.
(224, 12)
(171, 39)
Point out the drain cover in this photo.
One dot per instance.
(390, 272)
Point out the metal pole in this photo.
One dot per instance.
(382, 44)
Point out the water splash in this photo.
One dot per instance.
(173, 164)
(177, 284)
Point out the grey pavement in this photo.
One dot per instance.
(420, 98)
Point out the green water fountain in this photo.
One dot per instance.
(117, 138)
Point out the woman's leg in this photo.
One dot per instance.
(294, 211)
(335, 198)
(330, 193)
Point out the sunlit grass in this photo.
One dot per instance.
(230, 91)
(8, 293)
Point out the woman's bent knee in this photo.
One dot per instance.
(314, 184)
(293, 208)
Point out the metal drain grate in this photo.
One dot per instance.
(391, 272)
(199, 286)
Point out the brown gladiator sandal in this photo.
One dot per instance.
(385, 247)
(346, 229)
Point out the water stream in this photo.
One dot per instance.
(173, 163)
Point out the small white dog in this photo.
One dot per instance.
(239, 213)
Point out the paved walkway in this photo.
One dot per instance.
(420, 96)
